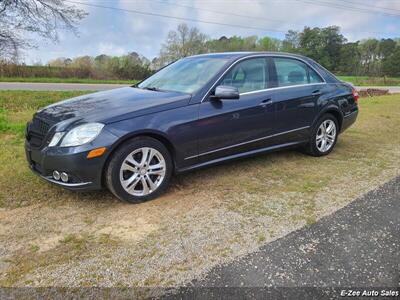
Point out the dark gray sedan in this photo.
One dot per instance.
(195, 112)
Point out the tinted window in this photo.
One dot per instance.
(294, 72)
(249, 75)
(314, 77)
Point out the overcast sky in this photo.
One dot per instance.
(117, 32)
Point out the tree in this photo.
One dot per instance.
(321, 44)
(183, 42)
(58, 62)
(22, 18)
(349, 59)
(391, 66)
(291, 41)
(387, 47)
(268, 44)
(332, 42)
(370, 58)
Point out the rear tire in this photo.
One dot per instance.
(139, 170)
(323, 136)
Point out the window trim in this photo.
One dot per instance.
(309, 75)
(266, 56)
(282, 87)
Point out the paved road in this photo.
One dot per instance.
(358, 246)
(35, 86)
(101, 87)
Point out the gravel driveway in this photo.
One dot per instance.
(357, 246)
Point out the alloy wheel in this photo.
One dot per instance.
(142, 171)
(326, 135)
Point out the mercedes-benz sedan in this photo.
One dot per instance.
(195, 112)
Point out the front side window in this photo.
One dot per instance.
(247, 76)
(294, 72)
(185, 75)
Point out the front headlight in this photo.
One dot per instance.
(56, 138)
(81, 134)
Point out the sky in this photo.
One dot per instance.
(118, 32)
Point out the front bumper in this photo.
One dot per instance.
(84, 174)
(68, 185)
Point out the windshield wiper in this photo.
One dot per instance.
(151, 88)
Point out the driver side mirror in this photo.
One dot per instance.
(226, 92)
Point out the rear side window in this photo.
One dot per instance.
(247, 76)
(294, 72)
(314, 77)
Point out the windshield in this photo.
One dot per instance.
(186, 75)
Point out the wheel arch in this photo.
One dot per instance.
(335, 111)
(148, 133)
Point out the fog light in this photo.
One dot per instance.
(64, 177)
(56, 175)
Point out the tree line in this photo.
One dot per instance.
(328, 46)
(132, 66)
(368, 57)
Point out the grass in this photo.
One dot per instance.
(25, 261)
(66, 80)
(207, 217)
(356, 80)
(371, 81)
(16, 108)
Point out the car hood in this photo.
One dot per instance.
(112, 106)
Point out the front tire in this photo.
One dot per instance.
(139, 170)
(323, 136)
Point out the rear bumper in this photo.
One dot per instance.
(348, 120)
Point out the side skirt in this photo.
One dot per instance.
(240, 155)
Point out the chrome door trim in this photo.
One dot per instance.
(247, 142)
(282, 87)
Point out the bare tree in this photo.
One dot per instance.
(21, 19)
(183, 42)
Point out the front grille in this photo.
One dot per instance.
(36, 131)
(39, 126)
(34, 139)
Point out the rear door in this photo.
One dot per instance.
(298, 90)
(227, 127)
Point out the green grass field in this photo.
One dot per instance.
(65, 80)
(356, 80)
(53, 237)
(371, 81)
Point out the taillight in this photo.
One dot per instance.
(355, 95)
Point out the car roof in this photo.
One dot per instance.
(235, 55)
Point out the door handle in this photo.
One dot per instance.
(316, 93)
(266, 102)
